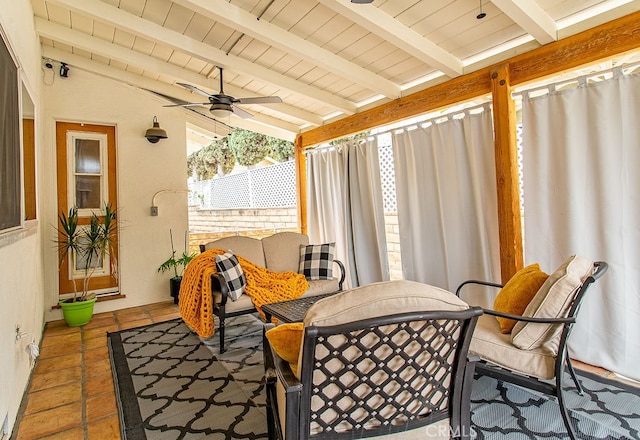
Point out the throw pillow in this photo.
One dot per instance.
(316, 261)
(286, 339)
(228, 266)
(553, 300)
(517, 293)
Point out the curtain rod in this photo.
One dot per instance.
(624, 69)
(413, 123)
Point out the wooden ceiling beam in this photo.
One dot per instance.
(601, 42)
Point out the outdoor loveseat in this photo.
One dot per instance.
(280, 253)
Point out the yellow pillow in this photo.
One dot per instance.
(517, 294)
(286, 340)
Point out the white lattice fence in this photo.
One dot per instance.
(387, 178)
(267, 187)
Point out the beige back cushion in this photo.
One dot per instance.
(246, 247)
(282, 251)
(553, 300)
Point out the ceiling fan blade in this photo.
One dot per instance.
(194, 89)
(195, 104)
(260, 100)
(241, 113)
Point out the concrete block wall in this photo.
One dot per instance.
(206, 225)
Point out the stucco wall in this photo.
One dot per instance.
(143, 169)
(21, 288)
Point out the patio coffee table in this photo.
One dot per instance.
(292, 310)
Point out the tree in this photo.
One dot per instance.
(214, 159)
(248, 147)
(281, 150)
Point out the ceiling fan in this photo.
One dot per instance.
(223, 104)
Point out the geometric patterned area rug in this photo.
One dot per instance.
(170, 384)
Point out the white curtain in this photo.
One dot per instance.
(369, 261)
(446, 195)
(344, 203)
(581, 155)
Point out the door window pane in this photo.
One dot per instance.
(88, 156)
(88, 192)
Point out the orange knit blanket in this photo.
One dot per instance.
(264, 286)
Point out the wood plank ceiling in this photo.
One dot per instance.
(326, 59)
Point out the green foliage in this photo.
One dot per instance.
(281, 150)
(244, 146)
(88, 244)
(248, 147)
(178, 265)
(216, 158)
(353, 137)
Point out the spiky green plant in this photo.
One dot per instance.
(178, 265)
(91, 244)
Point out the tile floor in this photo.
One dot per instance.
(71, 394)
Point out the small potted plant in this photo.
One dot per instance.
(177, 265)
(90, 244)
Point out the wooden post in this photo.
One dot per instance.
(507, 174)
(301, 184)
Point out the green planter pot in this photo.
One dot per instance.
(77, 313)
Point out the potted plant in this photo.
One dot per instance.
(177, 265)
(89, 245)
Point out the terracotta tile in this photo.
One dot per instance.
(165, 312)
(97, 368)
(100, 406)
(38, 425)
(63, 329)
(99, 384)
(134, 324)
(99, 331)
(166, 316)
(62, 339)
(47, 351)
(56, 378)
(160, 305)
(71, 434)
(53, 397)
(104, 429)
(95, 354)
(54, 324)
(90, 344)
(101, 321)
(54, 363)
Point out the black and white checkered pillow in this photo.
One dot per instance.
(227, 264)
(316, 261)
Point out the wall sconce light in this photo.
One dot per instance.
(155, 133)
(64, 70)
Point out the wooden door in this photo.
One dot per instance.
(86, 170)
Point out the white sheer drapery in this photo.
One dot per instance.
(581, 155)
(447, 208)
(344, 204)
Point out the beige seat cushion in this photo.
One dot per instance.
(553, 300)
(282, 251)
(381, 299)
(246, 247)
(318, 287)
(492, 345)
